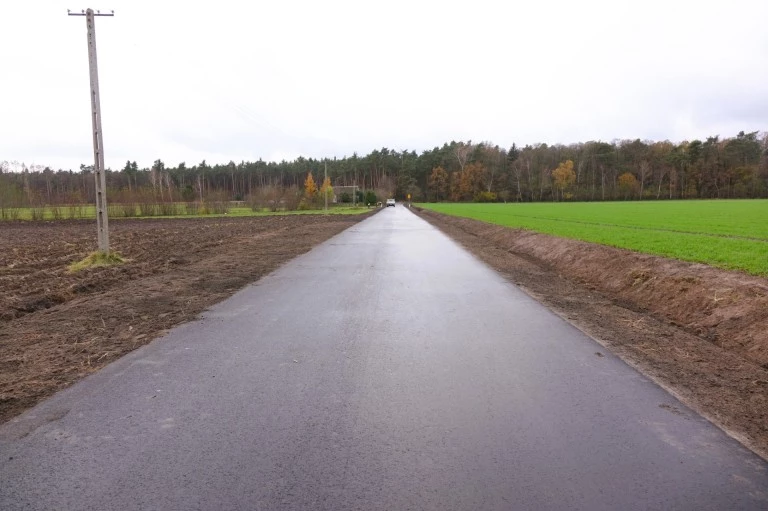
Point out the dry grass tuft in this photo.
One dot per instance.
(97, 259)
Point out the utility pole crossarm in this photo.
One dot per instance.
(85, 13)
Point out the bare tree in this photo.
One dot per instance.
(462, 152)
(643, 168)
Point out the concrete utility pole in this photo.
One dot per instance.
(102, 222)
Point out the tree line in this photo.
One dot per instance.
(734, 167)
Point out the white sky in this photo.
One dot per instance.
(186, 81)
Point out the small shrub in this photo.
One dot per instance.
(168, 209)
(485, 197)
(217, 203)
(192, 208)
(127, 210)
(254, 202)
(37, 213)
(291, 199)
(217, 207)
(75, 211)
(57, 213)
(147, 208)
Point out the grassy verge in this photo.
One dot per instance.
(87, 212)
(728, 234)
(337, 210)
(97, 259)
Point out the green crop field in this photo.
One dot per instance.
(731, 234)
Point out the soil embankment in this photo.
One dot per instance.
(57, 326)
(700, 332)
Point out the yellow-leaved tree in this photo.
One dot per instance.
(310, 188)
(628, 184)
(563, 177)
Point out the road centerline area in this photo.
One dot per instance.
(385, 369)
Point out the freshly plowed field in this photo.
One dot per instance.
(57, 326)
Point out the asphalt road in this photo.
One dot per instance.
(386, 369)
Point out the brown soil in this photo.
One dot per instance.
(57, 326)
(700, 332)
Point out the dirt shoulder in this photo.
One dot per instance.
(57, 327)
(699, 332)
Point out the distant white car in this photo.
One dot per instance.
(391, 202)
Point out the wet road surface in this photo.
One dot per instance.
(386, 369)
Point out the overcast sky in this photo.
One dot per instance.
(226, 80)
